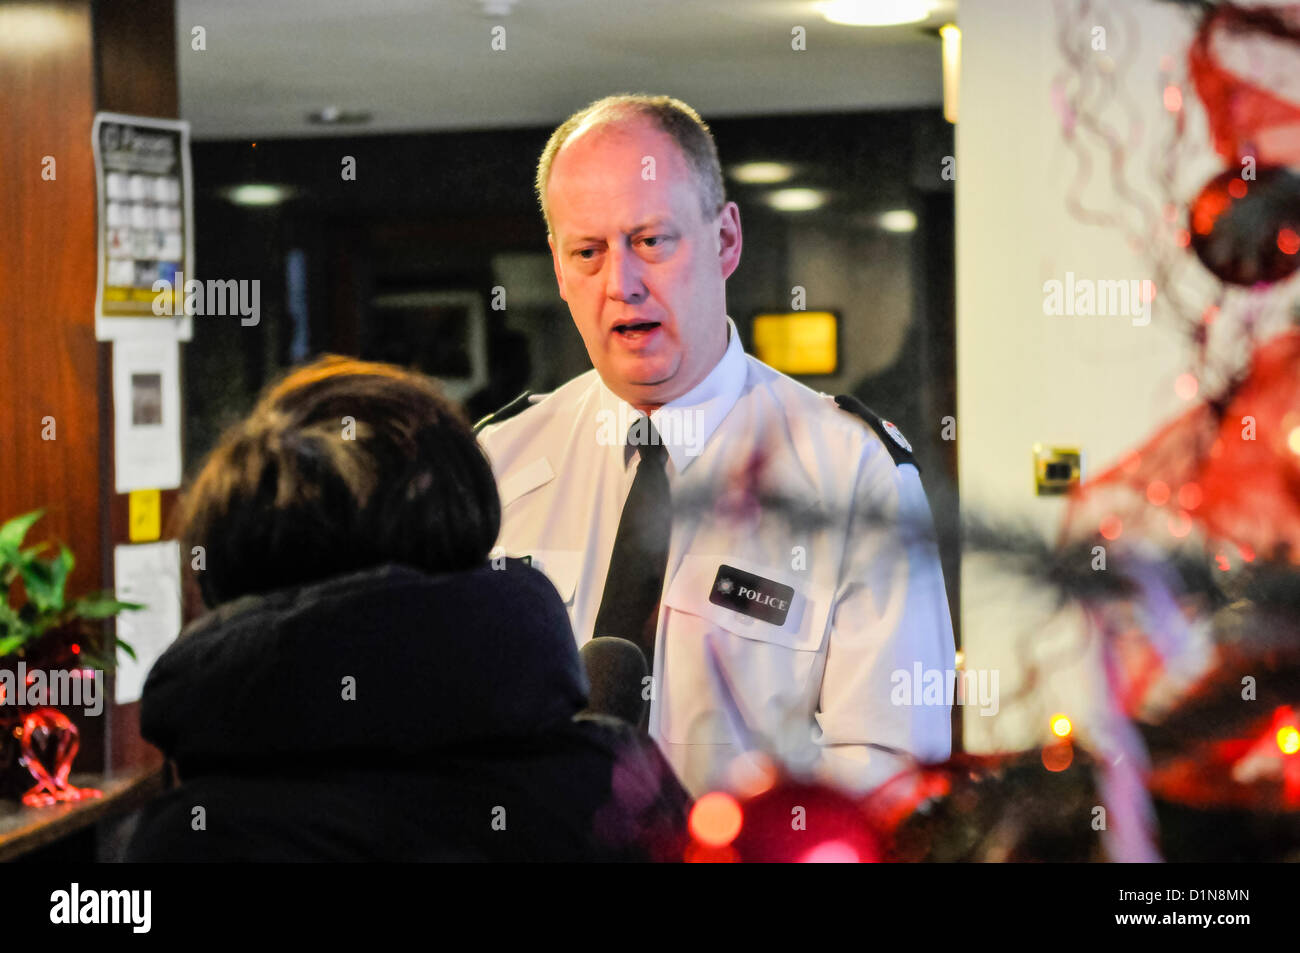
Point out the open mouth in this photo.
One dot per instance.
(635, 329)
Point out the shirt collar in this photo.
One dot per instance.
(686, 424)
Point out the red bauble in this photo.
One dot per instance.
(1247, 231)
(800, 822)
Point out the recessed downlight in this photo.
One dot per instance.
(898, 220)
(876, 12)
(257, 194)
(334, 116)
(796, 200)
(762, 173)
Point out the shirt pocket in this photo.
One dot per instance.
(562, 567)
(524, 480)
(769, 667)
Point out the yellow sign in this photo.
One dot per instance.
(145, 519)
(799, 342)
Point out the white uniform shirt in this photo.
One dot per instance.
(869, 598)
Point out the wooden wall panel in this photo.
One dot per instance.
(135, 57)
(60, 62)
(50, 363)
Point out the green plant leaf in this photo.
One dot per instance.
(44, 588)
(12, 643)
(10, 560)
(64, 563)
(13, 531)
(91, 657)
(31, 552)
(99, 605)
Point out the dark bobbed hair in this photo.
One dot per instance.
(342, 466)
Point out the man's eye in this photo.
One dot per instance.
(584, 254)
(660, 239)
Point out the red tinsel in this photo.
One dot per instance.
(1245, 119)
(1235, 473)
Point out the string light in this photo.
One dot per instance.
(716, 819)
(831, 852)
(1158, 492)
(1288, 739)
(1057, 757)
(1189, 496)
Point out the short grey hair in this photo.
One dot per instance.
(672, 116)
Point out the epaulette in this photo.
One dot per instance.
(889, 434)
(516, 406)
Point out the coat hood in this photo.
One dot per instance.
(387, 663)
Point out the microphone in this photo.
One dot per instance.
(616, 670)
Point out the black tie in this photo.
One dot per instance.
(629, 606)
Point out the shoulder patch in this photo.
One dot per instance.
(516, 406)
(889, 434)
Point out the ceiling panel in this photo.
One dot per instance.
(429, 64)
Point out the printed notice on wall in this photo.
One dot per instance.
(145, 226)
(146, 415)
(149, 575)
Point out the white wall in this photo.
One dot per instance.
(1024, 377)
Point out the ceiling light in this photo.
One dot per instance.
(898, 220)
(951, 69)
(333, 116)
(796, 200)
(876, 12)
(257, 193)
(762, 173)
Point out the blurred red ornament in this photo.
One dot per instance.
(790, 822)
(1058, 755)
(697, 853)
(1245, 223)
(1246, 118)
(1248, 492)
(715, 819)
(1256, 772)
(897, 799)
(49, 745)
(806, 822)
(1239, 229)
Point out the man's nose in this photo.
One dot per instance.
(623, 280)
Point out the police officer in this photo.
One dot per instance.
(768, 550)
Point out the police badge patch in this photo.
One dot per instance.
(896, 434)
(751, 595)
(889, 434)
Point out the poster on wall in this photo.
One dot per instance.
(146, 415)
(148, 574)
(145, 226)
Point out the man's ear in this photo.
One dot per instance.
(555, 263)
(729, 240)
